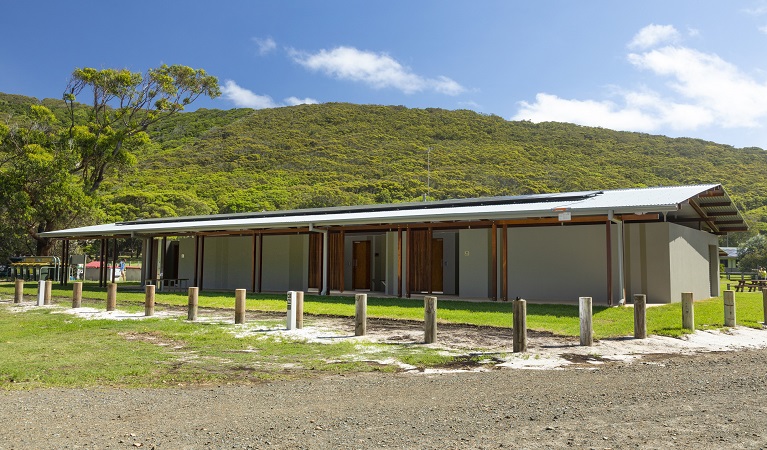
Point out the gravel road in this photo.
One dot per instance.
(712, 400)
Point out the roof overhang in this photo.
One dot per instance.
(708, 206)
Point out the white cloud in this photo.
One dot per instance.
(763, 29)
(692, 90)
(245, 98)
(265, 46)
(293, 101)
(652, 35)
(378, 70)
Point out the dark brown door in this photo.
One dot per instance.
(361, 268)
(315, 261)
(436, 265)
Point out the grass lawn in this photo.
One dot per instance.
(39, 348)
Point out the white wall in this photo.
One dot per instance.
(285, 260)
(559, 263)
(689, 260)
(473, 263)
(227, 262)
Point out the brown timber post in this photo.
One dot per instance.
(429, 261)
(640, 316)
(192, 303)
(504, 264)
(764, 305)
(114, 258)
(149, 299)
(253, 258)
(399, 263)
(494, 264)
(409, 263)
(343, 257)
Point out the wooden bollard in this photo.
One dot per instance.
(519, 330)
(192, 304)
(640, 316)
(764, 305)
(111, 296)
(299, 309)
(48, 292)
(729, 308)
(239, 305)
(149, 300)
(18, 293)
(584, 312)
(429, 319)
(77, 294)
(360, 314)
(688, 311)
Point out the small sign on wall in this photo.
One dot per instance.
(565, 216)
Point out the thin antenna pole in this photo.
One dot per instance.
(428, 172)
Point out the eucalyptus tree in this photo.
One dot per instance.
(51, 170)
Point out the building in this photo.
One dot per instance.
(608, 245)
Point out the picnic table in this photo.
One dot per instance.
(171, 284)
(751, 285)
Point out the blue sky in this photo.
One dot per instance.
(679, 68)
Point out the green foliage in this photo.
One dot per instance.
(752, 254)
(213, 161)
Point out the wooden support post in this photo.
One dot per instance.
(114, 259)
(360, 314)
(587, 330)
(111, 296)
(253, 262)
(260, 277)
(519, 330)
(609, 245)
(196, 258)
(640, 316)
(494, 261)
(729, 308)
(239, 305)
(504, 263)
(48, 292)
(764, 305)
(18, 293)
(688, 311)
(409, 263)
(77, 294)
(399, 262)
(192, 303)
(300, 309)
(429, 319)
(149, 299)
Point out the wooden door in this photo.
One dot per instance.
(437, 265)
(315, 261)
(361, 265)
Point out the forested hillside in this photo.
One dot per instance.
(212, 161)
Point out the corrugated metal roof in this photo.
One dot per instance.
(660, 200)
